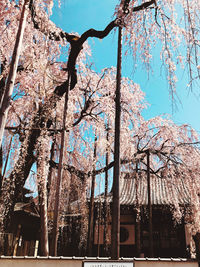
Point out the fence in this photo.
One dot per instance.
(83, 262)
(12, 245)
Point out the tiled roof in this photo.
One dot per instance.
(163, 191)
(28, 208)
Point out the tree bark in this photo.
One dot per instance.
(11, 190)
(2, 81)
(115, 233)
(197, 245)
(1, 166)
(42, 173)
(13, 70)
(7, 157)
(50, 168)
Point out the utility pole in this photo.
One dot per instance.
(13, 70)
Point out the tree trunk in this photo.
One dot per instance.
(12, 188)
(115, 234)
(90, 241)
(2, 82)
(43, 150)
(1, 166)
(50, 168)
(7, 157)
(44, 244)
(13, 70)
(59, 178)
(197, 245)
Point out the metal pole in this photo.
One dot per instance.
(115, 234)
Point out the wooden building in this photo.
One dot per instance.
(169, 238)
(23, 238)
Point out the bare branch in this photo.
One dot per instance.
(144, 6)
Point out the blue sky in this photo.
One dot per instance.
(79, 16)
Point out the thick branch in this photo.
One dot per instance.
(144, 6)
(77, 42)
(82, 175)
(98, 34)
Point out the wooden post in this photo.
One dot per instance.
(36, 248)
(59, 178)
(115, 233)
(138, 236)
(17, 239)
(138, 214)
(26, 247)
(149, 206)
(99, 227)
(90, 241)
(105, 233)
